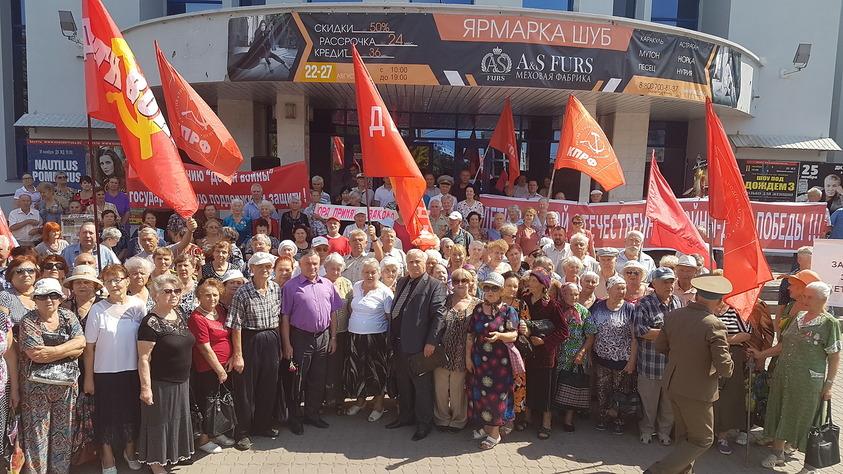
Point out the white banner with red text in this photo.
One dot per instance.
(346, 213)
(782, 227)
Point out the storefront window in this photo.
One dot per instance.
(681, 13)
(624, 8)
(458, 2)
(561, 5)
(252, 3)
(176, 7)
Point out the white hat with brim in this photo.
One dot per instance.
(232, 275)
(262, 258)
(83, 272)
(48, 286)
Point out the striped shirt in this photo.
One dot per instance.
(734, 323)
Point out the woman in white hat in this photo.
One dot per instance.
(634, 275)
(232, 280)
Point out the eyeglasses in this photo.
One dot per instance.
(51, 296)
(632, 272)
(21, 271)
(115, 281)
(491, 289)
(54, 266)
(171, 291)
(577, 222)
(459, 281)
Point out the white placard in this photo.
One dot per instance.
(827, 261)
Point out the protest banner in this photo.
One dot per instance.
(782, 227)
(828, 263)
(279, 185)
(346, 213)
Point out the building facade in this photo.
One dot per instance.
(279, 76)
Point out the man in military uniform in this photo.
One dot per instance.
(700, 358)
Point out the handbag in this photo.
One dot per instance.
(61, 372)
(573, 389)
(219, 414)
(197, 419)
(420, 365)
(823, 440)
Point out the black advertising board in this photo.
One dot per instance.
(770, 181)
(481, 50)
(826, 176)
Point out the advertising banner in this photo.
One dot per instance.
(770, 181)
(828, 263)
(481, 50)
(782, 227)
(279, 185)
(346, 213)
(826, 176)
(45, 158)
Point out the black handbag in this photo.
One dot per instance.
(573, 389)
(219, 415)
(823, 440)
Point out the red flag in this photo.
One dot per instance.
(386, 155)
(338, 151)
(4, 230)
(743, 260)
(584, 147)
(502, 181)
(117, 92)
(199, 132)
(672, 228)
(503, 140)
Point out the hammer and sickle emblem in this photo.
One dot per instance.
(595, 144)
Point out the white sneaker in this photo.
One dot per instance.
(109, 470)
(224, 441)
(211, 448)
(646, 438)
(133, 463)
(741, 438)
(353, 409)
(375, 416)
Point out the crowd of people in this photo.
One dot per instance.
(118, 344)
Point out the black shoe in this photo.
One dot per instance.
(443, 429)
(243, 444)
(600, 426)
(399, 423)
(454, 429)
(421, 432)
(269, 433)
(295, 426)
(317, 422)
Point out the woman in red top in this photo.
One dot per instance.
(527, 236)
(210, 353)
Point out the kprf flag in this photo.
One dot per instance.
(386, 155)
(117, 92)
(198, 130)
(672, 228)
(503, 140)
(584, 147)
(743, 259)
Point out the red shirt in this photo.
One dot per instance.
(213, 332)
(339, 245)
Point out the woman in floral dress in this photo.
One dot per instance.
(487, 359)
(574, 350)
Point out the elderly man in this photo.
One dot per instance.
(64, 193)
(28, 189)
(557, 250)
(309, 334)
(607, 260)
(455, 231)
(5, 250)
(418, 321)
(364, 189)
(318, 184)
(595, 195)
(578, 246)
(444, 182)
(256, 347)
(649, 318)
(388, 241)
(354, 261)
(148, 241)
(87, 243)
(632, 251)
(25, 222)
(686, 270)
(438, 221)
(252, 208)
(292, 218)
(694, 340)
(533, 191)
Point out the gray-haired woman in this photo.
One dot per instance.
(139, 270)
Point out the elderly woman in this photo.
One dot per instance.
(578, 227)
(492, 326)
(51, 241)
(49, 207)
(446, 245)
(111, 367)
(367, 365)
(266, 210)
(515, 258)
(185, 272)
(211, 353)
(513, 215)
(238, 221)
(283, 269)
(219, 263)
(301, 238)
(162, 258)
(9, 381)
(450, 411)
(139, 270)
(458, 258)
(614, 351)
(508, 232)
(232, 280)
(390, 272)
(474, 227)
(213, 234)
(527, 236)
(809, 348)
(53, 266)
(335, 391)
(164, 355)
(496, 255)
(633, 274)
(470, 204)
(804, 257)
(589, 281)
(730, 407)
(51, 340)
(476, 254)
(546, 329)
(573, 354)
(570, 269)
(17, 300)
(510, 295)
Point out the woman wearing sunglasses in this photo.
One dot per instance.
(17, 300)
(111, 367)
(53, 266)
(492, 326)
(51, 340)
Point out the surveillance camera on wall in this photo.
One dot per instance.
(800, 60)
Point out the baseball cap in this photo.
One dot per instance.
(48, 286)
(595, 191)
(319, 240)
(607, 252)
(455, 216)
(662, 273)
(493, 279)
(332, 218)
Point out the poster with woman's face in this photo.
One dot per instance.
(110, 162)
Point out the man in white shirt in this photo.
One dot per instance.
(632, 251)
(579, 248)
(25, 222)
(559, 248)
(29, 189)
(532, 191)
(384, 196)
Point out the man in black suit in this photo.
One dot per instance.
(418, 320)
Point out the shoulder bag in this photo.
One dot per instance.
(823, 440)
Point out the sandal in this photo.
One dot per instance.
(772, 461)
(543, 433)
(489, 442)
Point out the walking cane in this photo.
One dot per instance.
(750, 365)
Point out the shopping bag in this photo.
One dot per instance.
(823, 440)
(219, 414)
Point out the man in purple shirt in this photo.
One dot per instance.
(308, 335)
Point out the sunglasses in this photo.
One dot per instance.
(491, 289)
(171, 291)
(51, 296)
(632, 272)
(54, 266)
(28, 271)
(458, 281)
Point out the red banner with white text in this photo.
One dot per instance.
(782, 227)
(279, 185)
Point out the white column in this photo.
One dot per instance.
(293, 133)
(239, 117)
(629, 139)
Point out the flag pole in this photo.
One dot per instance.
(482, 161)
(93, 164)
(550, 188)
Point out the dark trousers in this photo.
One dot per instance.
(310, 353)
(255, 389)
(415, 394)
(334, 389)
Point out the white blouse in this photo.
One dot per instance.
(368, 312)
